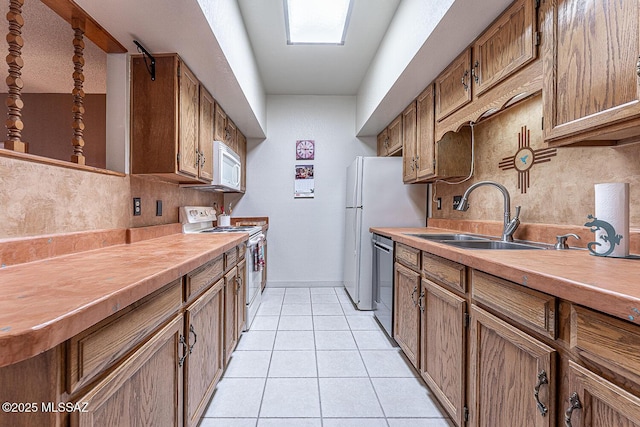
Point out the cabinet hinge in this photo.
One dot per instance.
(538, 38)
(178, 158)
(467, 320)
(465, 414)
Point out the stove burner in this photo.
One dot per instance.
(229, 229)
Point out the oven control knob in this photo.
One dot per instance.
(193, 212)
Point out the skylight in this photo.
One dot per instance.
(316, 21)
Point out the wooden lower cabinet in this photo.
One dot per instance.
(145, 390)
(592, 401)
(203, 367)
(231, 332)
(406, 318)
(507, 368)
(241, 297)
(442, 337)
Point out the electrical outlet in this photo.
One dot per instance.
(456, 201)
(137, 206)
(439, 203)
(158, 207)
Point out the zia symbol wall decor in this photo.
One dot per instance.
(525, 158)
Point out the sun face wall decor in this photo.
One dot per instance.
(525, 158)
(305, 149)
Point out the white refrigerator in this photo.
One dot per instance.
(376, 197)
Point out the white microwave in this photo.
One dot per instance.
(227, 168)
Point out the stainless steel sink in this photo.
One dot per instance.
(442, 237)
(488, 244)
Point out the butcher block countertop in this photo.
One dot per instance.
(609, 285)
(48, 301)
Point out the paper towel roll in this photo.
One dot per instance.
(612, 206)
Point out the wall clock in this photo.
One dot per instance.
(305, 149)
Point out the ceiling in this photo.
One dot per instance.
(314, 69)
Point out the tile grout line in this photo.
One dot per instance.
(264, 388)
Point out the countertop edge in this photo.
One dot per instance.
(565, 277)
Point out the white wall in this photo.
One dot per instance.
(305, 237)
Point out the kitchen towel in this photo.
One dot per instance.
(612, 206)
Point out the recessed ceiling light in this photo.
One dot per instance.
(316, 21)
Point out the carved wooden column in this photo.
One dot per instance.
(14, 80)
(78, 93)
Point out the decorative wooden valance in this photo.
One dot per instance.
(82, 24)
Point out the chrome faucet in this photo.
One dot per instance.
(510, 225)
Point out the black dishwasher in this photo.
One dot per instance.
(383, 281)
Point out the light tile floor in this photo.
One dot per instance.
(312, 359)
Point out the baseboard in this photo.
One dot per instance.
(299, 284)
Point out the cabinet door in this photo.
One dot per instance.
(145, 390)
(241, 296)
(425, 133)
(230, 135)
(220, 124)
(506, 367)
(230, 313)
(591, 85)
(188, 126)
(204, 326)
(383, 143)
(395, 135)
(453, 86)
(505, 47)
(443, 347)
(242, 152)
(205, 138)
(409, 161)
(595, 402)
(406, 313)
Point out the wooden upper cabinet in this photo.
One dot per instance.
(453, 86)
(383, 142)
(591, 88)
(189, 115)
(220, 124)
(506, 367)
(425, 133)
(207, 111)
(165, 120)
(395, 136)
(505, 47)
(231, 135)
(409, 141)
(242, 152)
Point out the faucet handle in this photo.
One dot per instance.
(561, 241)
(517, 212)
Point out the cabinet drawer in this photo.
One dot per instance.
(242, 249)
(445, 272)
(101, 346)
(203, 276)
(530, 308)
(408, 256)
(230, 258)
(610, 342)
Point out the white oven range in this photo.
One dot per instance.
(199, 219)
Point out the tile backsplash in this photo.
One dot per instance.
(561, 190)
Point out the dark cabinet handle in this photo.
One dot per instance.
(420, 299)
(415, 290)
(184, 351)
(542, 379)
(474, 73)
(464, 80)
(195, 338)
(574, 401)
